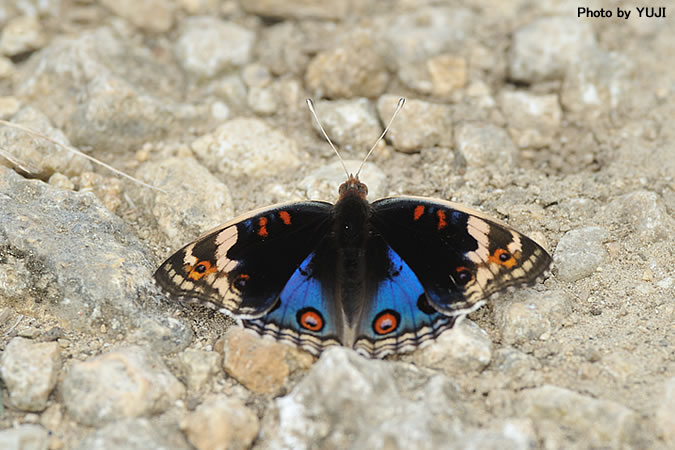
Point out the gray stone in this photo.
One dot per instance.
(485, 145)
(546, 48)
(247, 147)
(181, 179)
(197, 367)
(589, 422)
(597, 84)
(665, 413)
(102, 91)
(579, 252)
(534, 120)
(134, 434)
(354, 69)
(418, 125)
(537, 316)
(39, 157)
(29, 370)
(200, 50)
(54, 246)
(323, 183)
(164, 334)
(24, 437)
(347, 401)
(221, 423)
(464, 348)
(427, 31)
(21, 35)
(352, 124)
(440, 75)
(305, 9)
(642, 212)
(124, 383)
(150, 15)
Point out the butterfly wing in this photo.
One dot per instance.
(242, 267)
(459, 256)
(397, 316)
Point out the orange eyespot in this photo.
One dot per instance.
(386, 322)
(200, 270)
(464, 275)
(240, 281)
(310, 319)
(503, 258)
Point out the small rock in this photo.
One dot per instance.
(155, 16)
(184, 178)
(323, 183)
(262, 365)
(41, 157)
(354, 69)
(591, 422)
(665, 413)
(464, 348)
(439, 76)
(302, 9)
(221, 423)
(537, 316)
(352, 124)
(7, 68)
(24, 437)
(61, 181)
(52, 417)
(200, 50)
(597, 83)
(644, 212)
(533, 120)
(197, 367)
(125, 383)
(427, 31)
(485, 145)
(134, 434)
(29, 370)
(9, 106)
(547, 47)
(348, 401)
(263, 100)
(419, 124)
(164, 334)
(247, 147)
(579, 253)
(21, 35)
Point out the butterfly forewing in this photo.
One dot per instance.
(242, 267)
(460, 256)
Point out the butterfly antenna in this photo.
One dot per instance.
(399, 106)
(310, 105)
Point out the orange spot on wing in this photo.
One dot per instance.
(262, 227)
(503, 258)
(441, 219)
(419, 210)
(200, 270)
(285, 217)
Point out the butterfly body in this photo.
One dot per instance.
(382, 277)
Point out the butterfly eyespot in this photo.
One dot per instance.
(503, 257)
(464, 275)
(241, 281)
(200, 270)
(310, 319)
(386, 322)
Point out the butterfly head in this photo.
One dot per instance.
(353, 186)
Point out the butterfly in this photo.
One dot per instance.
(381, 277)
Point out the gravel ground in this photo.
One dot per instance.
(559, 125)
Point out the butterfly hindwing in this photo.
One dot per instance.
(460, 256)
(242, 267)
(397, 316)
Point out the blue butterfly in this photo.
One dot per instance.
(379, 277)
